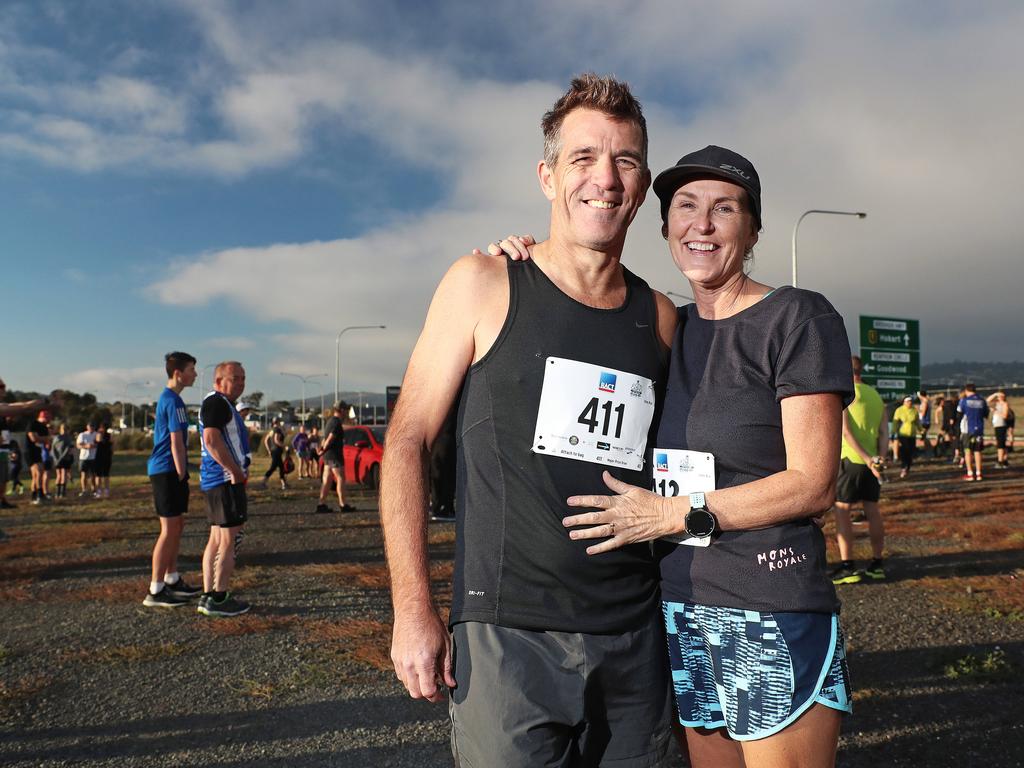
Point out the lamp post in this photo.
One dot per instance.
(126, 388)
(304, 379)
(321, 400)
(337, 352)
(205, 368)
(858, 214)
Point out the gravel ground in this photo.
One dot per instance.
(89, 677)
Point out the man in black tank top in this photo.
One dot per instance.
(559, 360)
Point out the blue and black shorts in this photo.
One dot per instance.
(751, 672)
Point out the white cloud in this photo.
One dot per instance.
(138, 385)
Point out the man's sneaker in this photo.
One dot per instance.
(163, 599)
(181, 589)
(846, 574)
(229, 606)
(322, 509)
(969, 477)
(875, 570)
(37, 501)
(201, 606)
(348, 508)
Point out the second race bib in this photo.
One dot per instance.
(679, 473)
(594, 414)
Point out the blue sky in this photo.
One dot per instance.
(238, 180)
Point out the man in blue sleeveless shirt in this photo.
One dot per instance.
(554, 657)
(168, 473)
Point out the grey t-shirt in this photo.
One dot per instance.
(726, 382)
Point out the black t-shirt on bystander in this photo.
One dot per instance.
(334, 427)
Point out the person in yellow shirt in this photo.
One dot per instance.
(906, 418)
(865, 436)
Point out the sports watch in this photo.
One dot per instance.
(699, 522)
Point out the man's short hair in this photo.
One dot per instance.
(969, 387)
(218, 372)
(177, 361)
(590, 91)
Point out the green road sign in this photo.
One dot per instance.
(889, 333)
(890, 349)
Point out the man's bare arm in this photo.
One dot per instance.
(460, 320)
(217, 448)
(179, 455)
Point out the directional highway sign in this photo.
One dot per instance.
(890, 349)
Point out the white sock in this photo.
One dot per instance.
(171, 578)
(155, 587)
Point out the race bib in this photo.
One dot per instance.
(680, 473)
(594, 414)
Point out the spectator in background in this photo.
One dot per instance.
(63, 451)
(103, 461)
(17, 463)
(860, 477)
(1000, 409)
(5, 464)
(906, 418)
(86, 443)
(313, 462)
(274, 444)
(37, 453)
(1011, 419)
(300, 444)
(974, 410)
(924, 411)
(334, 460)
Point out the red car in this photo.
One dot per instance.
(363, 448)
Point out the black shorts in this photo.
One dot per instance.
(66, 463)
(972, 442)
(856, 483)
(170, 495)
(87, 465)
(333, 461)
(226, 505)
(1000, 437)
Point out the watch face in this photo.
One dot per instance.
(699, 523)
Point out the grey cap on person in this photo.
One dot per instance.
(710, 161)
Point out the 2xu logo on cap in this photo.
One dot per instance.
(734, 169)
(607, 382)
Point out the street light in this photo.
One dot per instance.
(126, 387)
(337, 351)
(304, 379)
(858, 214)
(205, 368)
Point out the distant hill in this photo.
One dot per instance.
(982, 374)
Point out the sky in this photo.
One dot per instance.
(243, 180)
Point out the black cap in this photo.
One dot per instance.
(710, 161)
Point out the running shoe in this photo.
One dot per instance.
(875, 570)
(204, 599)
(322, 509)
(348, 508)
(229, 606)
(182, 589)
(846, 574)
(164, 599)
(968, 477)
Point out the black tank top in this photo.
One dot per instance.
(515, 564)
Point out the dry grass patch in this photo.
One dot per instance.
(118, 654)
(999, 595)
(363, 640)
(369, 575)
(13, 692)
(247, 624)
(19, 591)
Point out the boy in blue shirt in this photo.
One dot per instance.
(168, 472)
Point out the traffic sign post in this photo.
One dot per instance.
(890, 349)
